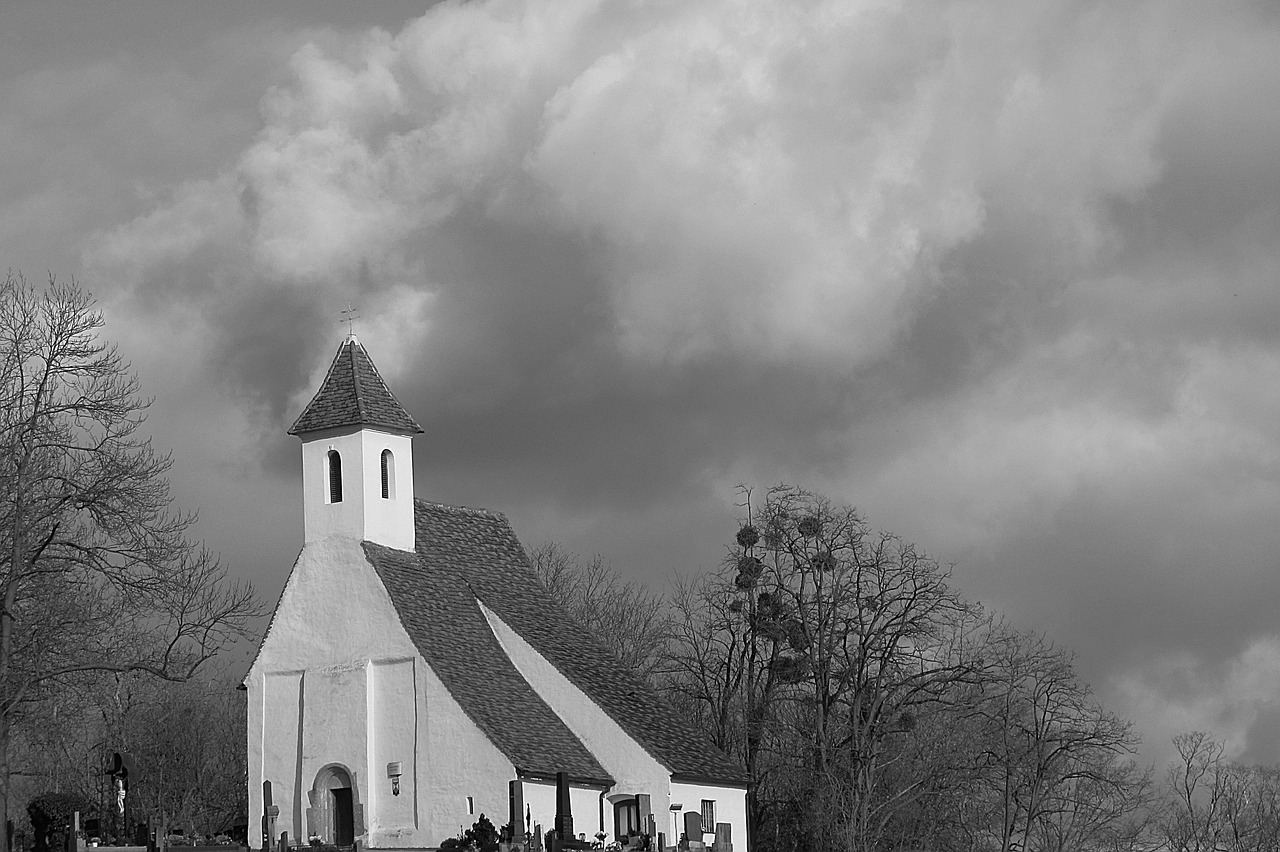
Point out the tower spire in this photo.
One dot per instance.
(357, 456)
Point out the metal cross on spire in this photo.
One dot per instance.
(349, 316)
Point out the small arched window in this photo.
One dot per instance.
(335, 477)
(388, 475)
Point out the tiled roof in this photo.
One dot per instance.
(353, 394)
(469, 554)
(442, 618)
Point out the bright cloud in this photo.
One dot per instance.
(1001, 274)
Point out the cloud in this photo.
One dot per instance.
(1237, 701)
(1002, 275)
(776, 181)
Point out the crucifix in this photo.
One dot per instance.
(349, 316)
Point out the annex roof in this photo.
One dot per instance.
(353, 394)
(469, 555)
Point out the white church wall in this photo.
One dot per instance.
(334, 721)
(388, 520)
(392, 740)
(362, 514)
(333, 609)
(730, 807)
(459, 763)
(334, 614)
(275, 715)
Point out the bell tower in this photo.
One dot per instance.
(357, 456)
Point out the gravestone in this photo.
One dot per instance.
(515, 811)
(693, 831)
(563, 837)
(269, 813)
(724, 838)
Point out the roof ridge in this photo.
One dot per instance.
(355, 376)
(471, 510)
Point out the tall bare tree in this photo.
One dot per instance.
(625, 615)
(826, 640)
(1059, 770)
(1217, 805)
(96, 570)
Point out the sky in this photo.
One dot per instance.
(1005, 276)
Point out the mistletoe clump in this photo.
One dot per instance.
(749, 570)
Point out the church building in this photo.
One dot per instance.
(415, 674)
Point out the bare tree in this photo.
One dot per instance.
(188, 740)
(626, 616)
(1058, 767)
(812, 656)
(96, 572)
(1217, 805)
(723, 669)
(1198, 783)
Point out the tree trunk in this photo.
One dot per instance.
(7, 706)
(4, 781)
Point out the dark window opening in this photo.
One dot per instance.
(388, 476)
(335, 477)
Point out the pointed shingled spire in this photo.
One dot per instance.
(353, 394)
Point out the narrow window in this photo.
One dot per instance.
(471, 806)
(388, 476)
(708, 816)
(335, 477)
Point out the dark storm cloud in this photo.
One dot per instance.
(1002, 275)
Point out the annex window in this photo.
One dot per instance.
(388, 475)
(708, 816)
(335, 477)
(626, 818)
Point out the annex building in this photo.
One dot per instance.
(415, 674)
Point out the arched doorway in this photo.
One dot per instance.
(334, 811)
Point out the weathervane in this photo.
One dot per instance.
(349, 316)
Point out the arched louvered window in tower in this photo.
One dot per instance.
(335, 477)
(388, 476)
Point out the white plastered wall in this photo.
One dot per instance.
(459, 761)
(731, 807)
(633, 768)
(363, 513)
(339, 681)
